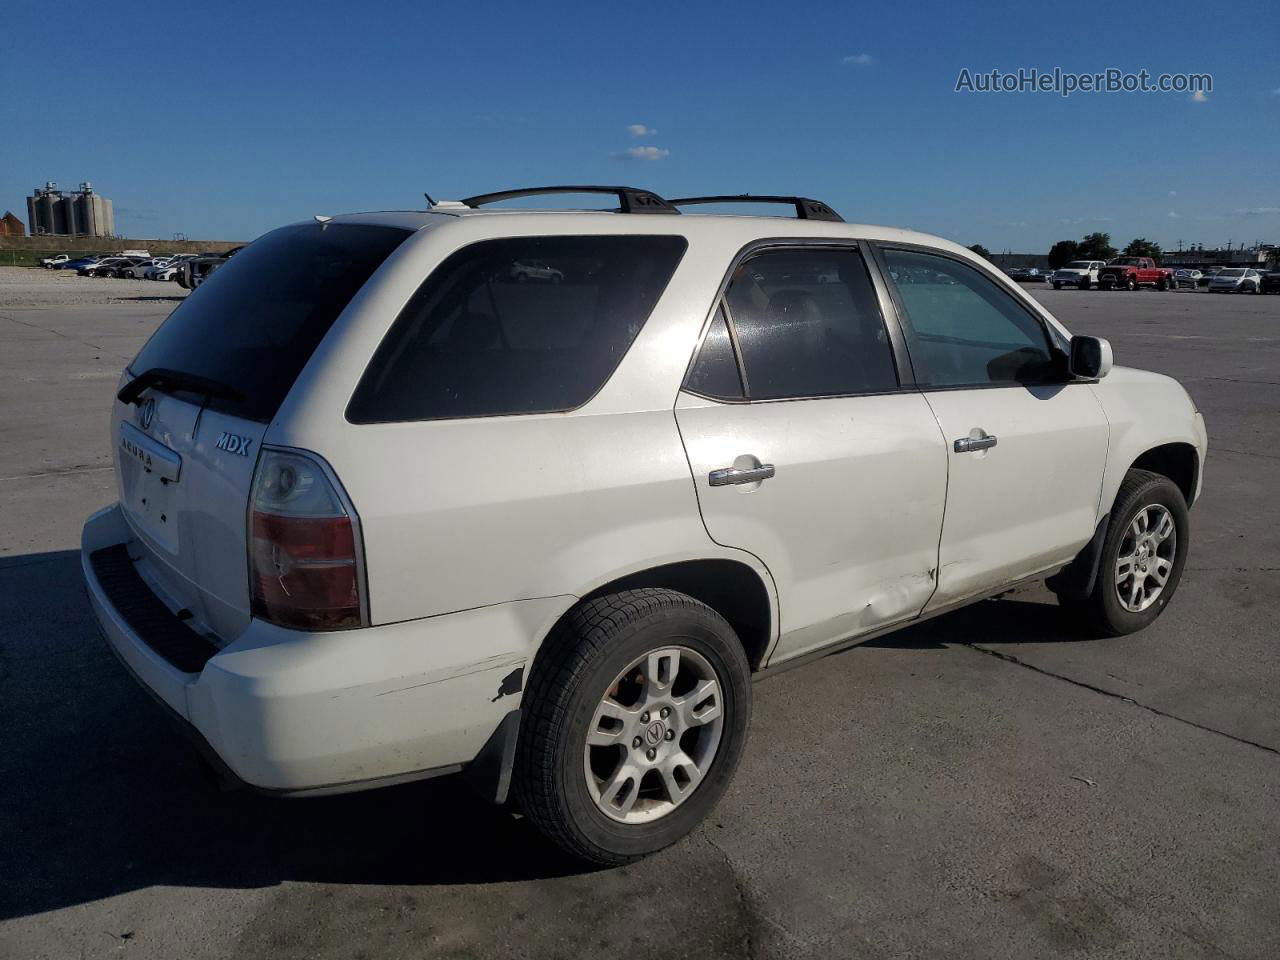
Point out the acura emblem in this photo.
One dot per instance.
(147, 413)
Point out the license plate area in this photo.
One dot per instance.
(150, 472)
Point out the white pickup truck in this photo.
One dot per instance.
(1077, 273)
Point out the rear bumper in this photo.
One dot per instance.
(293, 712)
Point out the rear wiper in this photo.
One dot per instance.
(163, 378)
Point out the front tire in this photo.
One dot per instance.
(1142, 558)
(1131, 284)
(635, 717)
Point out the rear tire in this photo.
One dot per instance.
(1057, 285)
(599, 677)
(1162, 284)
(1132, 550)
(1084, 284)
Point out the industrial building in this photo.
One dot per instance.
(11, 226)
(80, 214)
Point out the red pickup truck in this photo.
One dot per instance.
(1130, 273)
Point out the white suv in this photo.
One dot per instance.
(387, 512)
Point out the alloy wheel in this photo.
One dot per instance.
(654, 735)
(1145, 558)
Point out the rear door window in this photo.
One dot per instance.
(809, 325)
(253, 325)
(516, 326)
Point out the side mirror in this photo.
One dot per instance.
(1090, 357)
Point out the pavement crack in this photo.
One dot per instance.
(744, 904)
(1010, 658)
(1247, 453)
(60, 471)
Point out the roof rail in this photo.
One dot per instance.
(806, 209)
(630, 199)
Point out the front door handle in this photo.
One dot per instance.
(727, 475)
(974, 444)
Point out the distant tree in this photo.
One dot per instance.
(1096, 246)
(1142, 247)
(1064, 251)
(981, 251)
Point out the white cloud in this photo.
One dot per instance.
(1276, 91)
(645, 153)
(1173, 193)
(640, 130)
(1260, 212)
(861, 59)
(1199, 97)
(1075, 221)
(1173, 214)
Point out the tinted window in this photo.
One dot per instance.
(519, 325)
(715, 372)
(965, 330)
(255, 322)
(809, 325)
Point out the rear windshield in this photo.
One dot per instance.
(254, 323)
(518, 325)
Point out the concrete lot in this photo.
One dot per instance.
(992, 784)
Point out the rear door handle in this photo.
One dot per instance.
(727, 475)
(974, 444)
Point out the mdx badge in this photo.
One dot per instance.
(234, 443)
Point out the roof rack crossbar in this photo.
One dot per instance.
(806, 208)
(630, 199)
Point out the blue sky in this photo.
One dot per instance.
(245, 115)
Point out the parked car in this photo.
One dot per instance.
(1208, 275)
(1130, 273)
(386, 513)
(102, 267)
(55, 261)
(1270, 282)
(1026, 274)
(122, 268)
(138, 269)
(1077, 273)
(1186, 278)
(536, 271)
(168, 268)
(1236, 280)
(76, 264)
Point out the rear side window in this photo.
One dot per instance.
(516, 326)
(715, 372)
(253, 325)
(809, 325)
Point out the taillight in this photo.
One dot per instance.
(302, 547)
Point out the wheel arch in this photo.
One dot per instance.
(735, 589)
(1179, 461)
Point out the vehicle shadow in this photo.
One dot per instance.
(176, 298)
(1013, 619)
(100, 794)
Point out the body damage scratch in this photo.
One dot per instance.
(480, 666)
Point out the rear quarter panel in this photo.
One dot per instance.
(458, 514)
